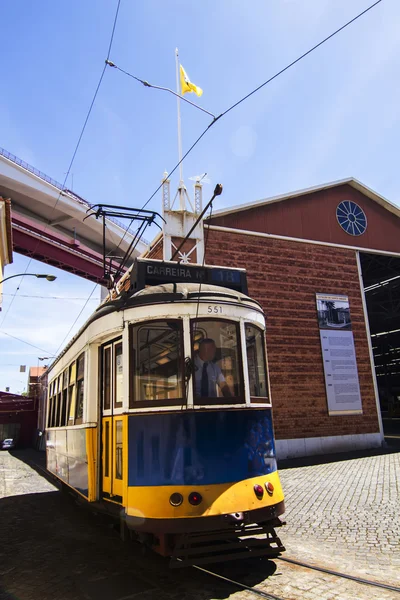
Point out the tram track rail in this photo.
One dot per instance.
(270, 596)
(259, 579)
(327, 571)
(253, 590)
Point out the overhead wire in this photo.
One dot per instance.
(66, 298)
(298, 59)
(165, 179)
(250, 94)
(65, 180)
(301, 57)
(75, 149)
(24, 342)
(158, 87)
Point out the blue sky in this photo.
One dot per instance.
(334, 115)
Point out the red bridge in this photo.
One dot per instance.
(48, 223)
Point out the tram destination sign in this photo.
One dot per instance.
(155, 272)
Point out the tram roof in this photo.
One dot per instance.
(189, 290)
(166, 293)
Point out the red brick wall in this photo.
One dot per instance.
(156, 251)
(284, 277)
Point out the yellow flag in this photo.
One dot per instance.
(187, 85)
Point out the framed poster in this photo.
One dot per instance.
(338, 355)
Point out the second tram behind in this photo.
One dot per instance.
(159, 412)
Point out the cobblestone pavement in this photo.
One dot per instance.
(345, 515)
(52, 548)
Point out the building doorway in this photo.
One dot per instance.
(381, 278)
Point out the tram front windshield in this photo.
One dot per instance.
(217, 364)
(217, 360)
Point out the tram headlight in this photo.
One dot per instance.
(176, 499)
(195, 498)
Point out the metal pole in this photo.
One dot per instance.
(178, 103)
(217, 192)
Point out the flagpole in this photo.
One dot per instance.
(178, 101)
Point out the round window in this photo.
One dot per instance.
(351, 218)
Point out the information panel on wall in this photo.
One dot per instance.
(338, 355)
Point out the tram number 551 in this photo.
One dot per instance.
(214, 309)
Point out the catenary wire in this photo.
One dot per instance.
(239, 102)
(247, 96)
(158, 87)
(24, 342)
(113, 30)
(164, 180)
(299, 58)
(66, 298)
(75, 150)
(215, 119)
(64, 182)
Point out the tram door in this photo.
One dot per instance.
(112, 425)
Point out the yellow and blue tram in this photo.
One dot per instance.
(159, 410)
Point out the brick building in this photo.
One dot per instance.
(343, 240)
(18, 418)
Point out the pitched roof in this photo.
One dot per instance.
(350, 181)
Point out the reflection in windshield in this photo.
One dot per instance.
(216, 359)
(158, 361)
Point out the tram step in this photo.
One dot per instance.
(218, 546)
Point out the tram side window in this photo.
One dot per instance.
(71, 394)
(80, 372)
(216, 358)
(118, 450)
(256, 365)
(107, 378)
(112, 388)
(60, 395)
(58, 401)
(64, 404)
(118, 376)
(54, 404)
(158, 361)
(51, 402)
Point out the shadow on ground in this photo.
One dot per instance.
(54, 548)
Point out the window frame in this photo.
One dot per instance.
(259, 399)
(133, 403)
(114, 368)
(50, 405)
(106, 349)
(59, 400)
(79, 382)
(118, 450)
(63, 392)
(71, 392)
(241, 398)
(109, 346)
